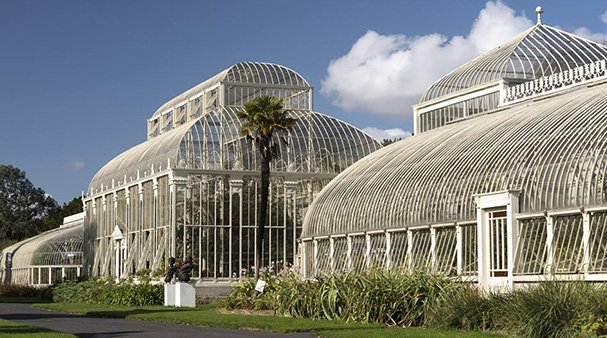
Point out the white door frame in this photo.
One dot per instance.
(119, 246)
(507, 199)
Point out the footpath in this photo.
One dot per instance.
(88, 327)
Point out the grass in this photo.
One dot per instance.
(411, 332)
(210, 315)
(203, 315)
(18, 330)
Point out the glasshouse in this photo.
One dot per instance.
(192, 187)
(48, 258)
(504, 181)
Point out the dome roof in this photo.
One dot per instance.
(244, 72)
(540, 51)
(553, 150)
(317, 143)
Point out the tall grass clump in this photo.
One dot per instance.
(545, 309)
(466, 307)
(548, 309)
(376, 296)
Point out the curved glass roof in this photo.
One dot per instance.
(317, 144)
(540, 51)
(260, 73)
(553, 150)
(58, 247)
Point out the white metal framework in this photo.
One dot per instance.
(513, 194)
(481, 84)
(191, 188)
(47, 258)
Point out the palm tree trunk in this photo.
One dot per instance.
(263, 210)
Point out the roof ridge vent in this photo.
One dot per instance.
(539, 10)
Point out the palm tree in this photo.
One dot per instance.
(261, 118)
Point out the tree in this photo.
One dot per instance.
(388, 141)
(261, 119)
(55, 217)
(23, 207)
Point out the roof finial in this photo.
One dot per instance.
(539, 10)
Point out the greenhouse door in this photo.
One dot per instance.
(498, 245)
(119, 251)
(119, 257)
(496, 233)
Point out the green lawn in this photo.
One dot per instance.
(411, 332)
(18, 330)
(209, 315)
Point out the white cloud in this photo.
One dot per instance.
(382, 134)
(600, 37)
(386, 74)
(588, 34)
(76, 165)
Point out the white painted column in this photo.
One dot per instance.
(331, 254)
(349, 252)
(409, 250)
(86, 252)
(304, 260)
(315, 244)
(290, 195)
(512, 233)
(549, 244)
(433, 249)
(388, 251)
(368, 251)
(115, 222)
(154, 220)
(236, 188)
(173, 225)
(459, 247)
(586, 242)
(141, 210)
(107, 245)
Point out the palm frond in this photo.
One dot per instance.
(263, 116)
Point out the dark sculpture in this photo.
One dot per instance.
(171, 270)
(186, 270)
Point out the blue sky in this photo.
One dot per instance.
(78, 79)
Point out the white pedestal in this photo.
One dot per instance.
(169, 294)
(185, 295)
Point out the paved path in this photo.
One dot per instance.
(85, 326)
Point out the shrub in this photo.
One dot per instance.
(591, 326)
(135, 294)
(105, 291)
(245, 297)
(16, 290)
